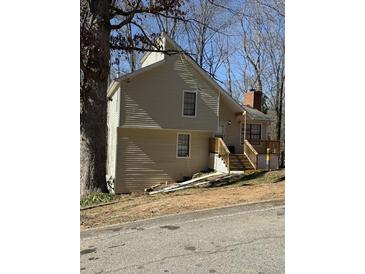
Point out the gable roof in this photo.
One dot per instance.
(253, 114)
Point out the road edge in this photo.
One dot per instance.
(114, 226)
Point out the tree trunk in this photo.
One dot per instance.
(93, 133)
(279, 108)
(278, 124)
(93, 100)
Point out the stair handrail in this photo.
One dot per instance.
(251, 153)
(223, 151)
(218, 146)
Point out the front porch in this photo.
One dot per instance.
(263, 154)
(243, 137)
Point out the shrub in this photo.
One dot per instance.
(96, 198)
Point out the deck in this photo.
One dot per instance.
(261, 155)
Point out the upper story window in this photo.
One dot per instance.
(189, 103)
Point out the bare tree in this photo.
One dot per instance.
(131, 54)
(216, 55)
(205, 33)
(94, 64)
(99, 25)
(263, 49)
(275, 77)
(252, 44)
(168, 25)
(228, 69)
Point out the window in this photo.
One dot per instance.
(253, 133)
(189, 104)
(183, 145)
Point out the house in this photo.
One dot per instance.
(170, 120)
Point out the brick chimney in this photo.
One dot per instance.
(252, 98)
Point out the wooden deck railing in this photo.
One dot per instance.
(217, 145)
(262, 147)
(251, 153)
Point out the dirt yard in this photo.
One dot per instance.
(256, 187)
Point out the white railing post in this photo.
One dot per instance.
(268, 158)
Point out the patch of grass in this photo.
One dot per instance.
(262, 177)
(131, 207)
(96, 198)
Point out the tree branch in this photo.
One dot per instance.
(138, 8)
(130, 48)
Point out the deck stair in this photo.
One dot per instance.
(239, 162)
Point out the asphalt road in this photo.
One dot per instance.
(239, 239)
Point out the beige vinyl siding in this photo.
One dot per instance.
(113, 121)
(148, 156)
(154, 98)
(232, 131)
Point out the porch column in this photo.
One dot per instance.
(244, 130)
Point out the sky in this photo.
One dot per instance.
(230, 34)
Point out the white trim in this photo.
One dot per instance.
(177, 144)
(119, 90)
(114, 149)
(112, 88)
(196, 103)
(117, 101)
(218, 111)
(144, 57)
(116, 177)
